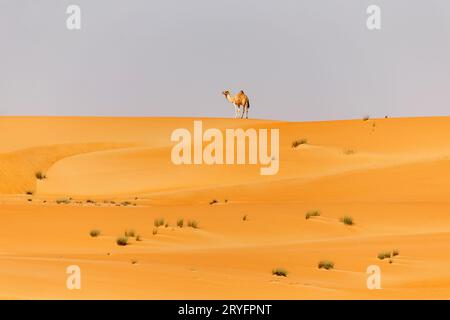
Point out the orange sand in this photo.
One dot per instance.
(395, 185)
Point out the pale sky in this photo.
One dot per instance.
(296, 59)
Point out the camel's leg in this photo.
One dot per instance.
(236, 111)
(246, 113)
(244, 110)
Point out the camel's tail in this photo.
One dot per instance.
(248, 104)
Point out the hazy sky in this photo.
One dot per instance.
(296, 59)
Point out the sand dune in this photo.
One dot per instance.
(389, 175)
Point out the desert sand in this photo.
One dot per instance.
(391, 176)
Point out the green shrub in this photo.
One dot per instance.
(62, 201)
(384, 255)
(158, 222)
(347, 220)
(298, 142)
(348, 152)
(326, 264)
(94, 233)
(40, 175)
(193, 224)
(122, 241)
(313, 213)
(280, 272)
(130, 233)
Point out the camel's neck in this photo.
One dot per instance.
(229, 98)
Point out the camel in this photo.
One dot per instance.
(238, 100)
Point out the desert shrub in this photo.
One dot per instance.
(244, 218)
(298, 142)
(280, 272)
(312, 213)
(40, 175)
(158, 222)
(347, 220)
(193, 224)
(139, 238)
(180, 223)
(326, 264)
(62, 201)
(29, 192)
(122, 241)
(155, 231)
(395, 252)
(348, 152)
(130, 233)
(214, 201)
(126, 203)
(94, 233)
(90, 201)
(384, 255)
(366, 118)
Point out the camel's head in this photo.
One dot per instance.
(226, 93)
